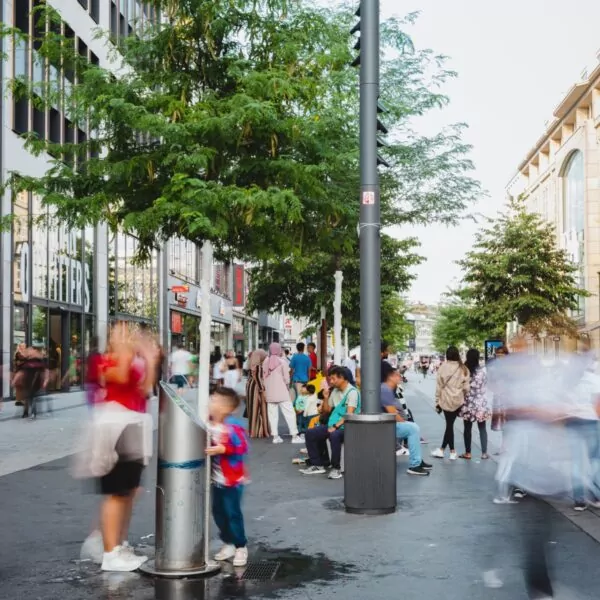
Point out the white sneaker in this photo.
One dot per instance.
(437, 453)
(313, 470)
(277, 439)
(241, 557)
(297, 440)
(453, 455)
(120, 561)
(335, 474)
(93, 548)
(402, 452)
(225, 553)
(505, 501)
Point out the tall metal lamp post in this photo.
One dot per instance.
(370, 440)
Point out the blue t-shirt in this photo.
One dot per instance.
(388, 398)
(301, 365)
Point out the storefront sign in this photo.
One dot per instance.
(238, 285)
(68, 278)
(181, 300)
(180, 289)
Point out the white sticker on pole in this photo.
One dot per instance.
(368, 197)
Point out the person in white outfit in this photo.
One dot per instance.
(276, 378)
(350, 363)
(180, 363)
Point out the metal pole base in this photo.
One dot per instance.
(209, 569)
(370, 464)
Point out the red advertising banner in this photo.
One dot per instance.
(238, 286)
(176, 322)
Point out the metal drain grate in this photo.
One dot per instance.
(261, 571)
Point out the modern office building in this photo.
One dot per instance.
(59, 287)
(560, 179)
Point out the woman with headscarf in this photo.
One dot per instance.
(276, 376)
(256, 407)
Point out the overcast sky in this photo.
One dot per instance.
(515, 60)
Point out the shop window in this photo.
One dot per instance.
(75, 350)
(112, 276)
(39, 249)
(39, 327)
(19, 327)
(21, 253)
(88, 269)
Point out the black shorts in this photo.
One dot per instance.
(125, 477)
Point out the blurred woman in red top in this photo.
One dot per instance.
(128, 372)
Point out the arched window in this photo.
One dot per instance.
(573, 194)
(574, 219)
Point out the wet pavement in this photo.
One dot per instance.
(445, 535)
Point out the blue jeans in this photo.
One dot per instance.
(227, 512)
(587, 448)
(412, 434)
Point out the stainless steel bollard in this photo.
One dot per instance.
(182, 492)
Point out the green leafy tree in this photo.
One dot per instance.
(303, 284)
(234, 121)
(428, 181)
(516, 272)
(456, 326)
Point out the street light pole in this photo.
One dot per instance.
(370, 277)
(370, 437)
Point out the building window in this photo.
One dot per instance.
(95, 10)
(221, 279)
(184, 259)
(574, 194)
(574, 220)
(136, 284)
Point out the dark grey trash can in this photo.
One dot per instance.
(370, 464)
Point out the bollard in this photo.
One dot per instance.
(182, 492)
(370, 464)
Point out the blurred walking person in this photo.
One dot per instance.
(93, 371)
(475, 409)
(123, 431)
(452, 385)
(256, 405)
(34, 380)
(277, 380)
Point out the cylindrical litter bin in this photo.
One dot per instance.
(370, 464)
(182, 492)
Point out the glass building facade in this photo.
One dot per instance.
(53, 289)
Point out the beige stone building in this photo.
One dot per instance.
(560, 179)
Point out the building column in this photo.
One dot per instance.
(101, 284)
(7, 308)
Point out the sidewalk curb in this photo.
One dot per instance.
(54, 410)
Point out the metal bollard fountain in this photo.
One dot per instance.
(182, 492)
